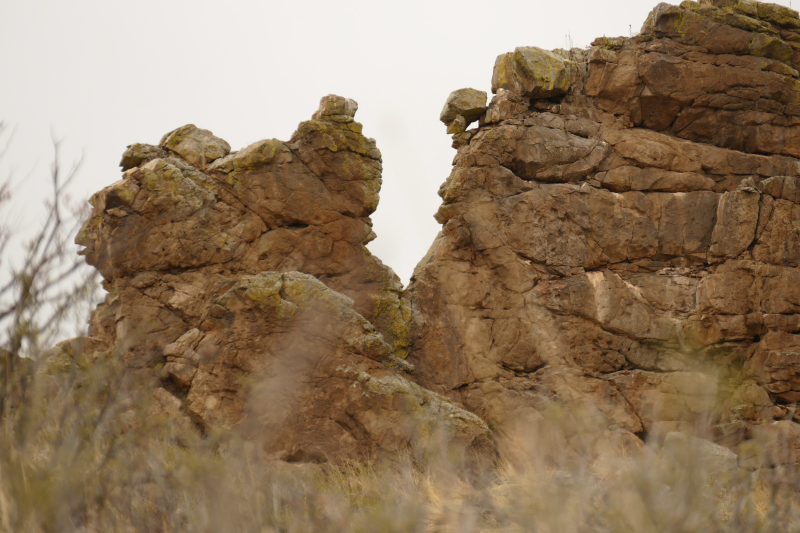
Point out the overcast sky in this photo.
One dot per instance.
(104, 74)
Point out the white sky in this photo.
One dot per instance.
(104, 74)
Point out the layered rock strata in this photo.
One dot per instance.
(620, 233)
(241, 280)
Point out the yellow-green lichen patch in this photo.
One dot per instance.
(198, 147)
(428, 409)
(86, 234)
(166, 181)
(336, 137)
(610, 43)
(372, 189)
(235, 183)
(450, 190)
(727, 16)
(748, 8)
(286, 295)
(255, 156)
(264, 289)
(123, 191)
(777, 14)
(355, 167)
(543, 73)
(304, 289)
(762, 45)
(392, 317)
(138, 153)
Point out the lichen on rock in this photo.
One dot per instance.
(197, 146)
(462, 108)
(618, 233)
(235, 277)
(620, 237)
(532, 72)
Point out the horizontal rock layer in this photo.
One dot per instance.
(628, 243)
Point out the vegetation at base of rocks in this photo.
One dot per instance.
(82, 452)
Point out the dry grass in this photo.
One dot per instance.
(84, 453)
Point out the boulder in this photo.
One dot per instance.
(198, 147)
(468, 104)
(336, 108)
(532, 72)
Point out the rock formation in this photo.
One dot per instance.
(241, 280)
(620, 234)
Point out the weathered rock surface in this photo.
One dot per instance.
(620, 236)
(463, 107)
(241, 281)
(532, 72)
(620, 233)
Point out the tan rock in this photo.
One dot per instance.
(336, 108)
(532, 72)
(737, 217)
(139, 153)
(204, 293)
(198, 147)
(637, 228)
(619, 240)
(458, 125)
(469, 104)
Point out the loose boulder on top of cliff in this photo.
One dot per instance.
(463, 107)
(532, 72)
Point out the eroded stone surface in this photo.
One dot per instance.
(628, 246)
(242, 281)
(462, 108)
(532, 72)
(620, 236)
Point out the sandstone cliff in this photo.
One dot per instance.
(620, 231)
(619, 235)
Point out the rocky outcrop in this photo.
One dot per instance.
(619, 236)
(241, 281)
(620, 232)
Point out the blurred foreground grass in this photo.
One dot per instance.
(84, 450)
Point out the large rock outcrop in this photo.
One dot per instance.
(620, 234)
(621, 231)
(241, 280)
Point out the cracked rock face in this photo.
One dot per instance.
(620, 233)
(241, 281)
